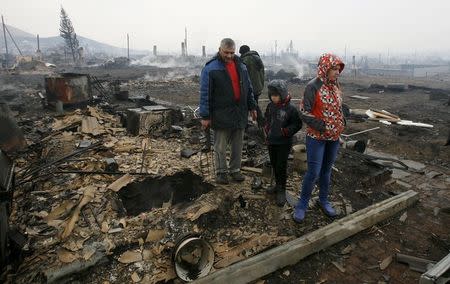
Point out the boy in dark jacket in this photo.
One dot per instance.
(282, 122)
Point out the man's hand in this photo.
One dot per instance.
(205, 123)
(254, 114)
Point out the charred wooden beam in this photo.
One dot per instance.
(295, 250)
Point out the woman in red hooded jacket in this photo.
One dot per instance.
(321, 110)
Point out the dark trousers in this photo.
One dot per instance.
(278, 159)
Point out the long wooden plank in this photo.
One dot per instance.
(295, 250)
(253, 170)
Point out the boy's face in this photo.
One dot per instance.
(275, 98)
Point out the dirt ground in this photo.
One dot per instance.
(243, 214)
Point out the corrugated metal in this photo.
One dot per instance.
(11, 136)
(6, 172)
(68, 88)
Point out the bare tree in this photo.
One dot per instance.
(67, 32)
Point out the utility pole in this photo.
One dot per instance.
(128, 47)
(185, 41)
(38, 51)
(6, 42)
(345, 53)
(354, 65)
(275, 59)
(15, 44)
(388, 59)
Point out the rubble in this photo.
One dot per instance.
(144, 120)
(291, 252)
(438, 272)
(86, 176)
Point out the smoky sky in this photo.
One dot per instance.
(314, 26)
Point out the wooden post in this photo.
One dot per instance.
(15, 44)
(275, 58)
(128, 47)
(6, 42)
(295, 250)
(185, 42)
(354, 65)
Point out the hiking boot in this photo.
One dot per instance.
(327, 208)
(272, 189)
(299, 214)
(237, 176)
(222, 178)
(281, 197)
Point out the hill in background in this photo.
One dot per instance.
(27, 43)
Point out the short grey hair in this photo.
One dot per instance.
(227, 43)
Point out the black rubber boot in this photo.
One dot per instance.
(222, 178)
(281, 196)
(272, 189)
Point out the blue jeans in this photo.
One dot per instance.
(223, 138)
(321, 155)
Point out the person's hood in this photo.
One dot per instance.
(279, 87)
(249, 53)
(326, 62)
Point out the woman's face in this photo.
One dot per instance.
(333, 73)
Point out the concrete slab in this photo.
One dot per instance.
(155, 108)
(379, 154)
(414, 165)
(440, 185)
(404, 184)
(432, 174)
(424, 186)
(379, 177)
(399, 174)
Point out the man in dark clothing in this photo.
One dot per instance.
(226, 97)
(282, 122)
(255, 69)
